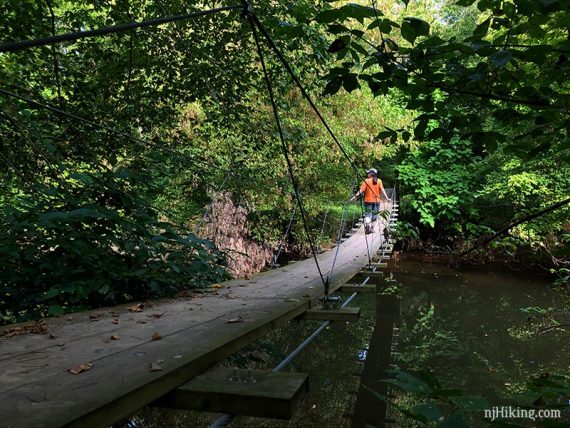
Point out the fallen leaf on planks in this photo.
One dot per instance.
(155, 315)
(136, 308)
(216, 286)
(80, 368)
(115, 337)
(234, 320)
(156, 336)
(35, 327)
(156, 367)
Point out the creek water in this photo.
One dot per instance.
(469, 328)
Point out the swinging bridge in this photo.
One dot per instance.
(98, 367)
(36, 389)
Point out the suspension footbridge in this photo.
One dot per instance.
(98, 367)
(129, 356)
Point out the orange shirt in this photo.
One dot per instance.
(371, 191)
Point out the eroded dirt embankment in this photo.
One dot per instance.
(226, 224)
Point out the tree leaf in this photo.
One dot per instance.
(408, 32)
(420, 26)
(337, 45)
(482, 29)
(500, 58)
(331, 15)
(350, 83)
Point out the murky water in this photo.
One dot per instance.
(469, 328)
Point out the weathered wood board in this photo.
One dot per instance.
(344, 314)
(240, 392)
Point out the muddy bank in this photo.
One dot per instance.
(227, 226)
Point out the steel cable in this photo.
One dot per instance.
(26, 44)
(250, 18)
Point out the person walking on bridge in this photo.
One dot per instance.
(374, 192)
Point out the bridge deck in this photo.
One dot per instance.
(137, 357)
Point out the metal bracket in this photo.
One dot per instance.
(247, 9)
(331, 302)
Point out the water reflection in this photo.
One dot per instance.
(369, 410)
(466, 327)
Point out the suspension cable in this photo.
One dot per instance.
(250, 18)
(340, 232)
(285, 235)
(323, 226)
(25, 44)
(305, 94)
(91, 123)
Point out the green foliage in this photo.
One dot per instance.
(84, 227)
(87, 227)
(486, 84)
(69, 252)
(437, 406)
(438, 180)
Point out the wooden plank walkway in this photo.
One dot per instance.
(137, 357)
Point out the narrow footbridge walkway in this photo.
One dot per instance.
(133, 358)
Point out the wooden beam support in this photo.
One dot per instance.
(358, 288)
(345, 314)
(378, 265)
(372, 274)
(240, 392)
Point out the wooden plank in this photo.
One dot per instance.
(240, 392)
(319, 314)
(359, 288)
(372, 274)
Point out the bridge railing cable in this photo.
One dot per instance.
(91, 123)
(300, 86)
(320, 239)
(275, 256)
(340, 233)
(250, 18)
(120, 28)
